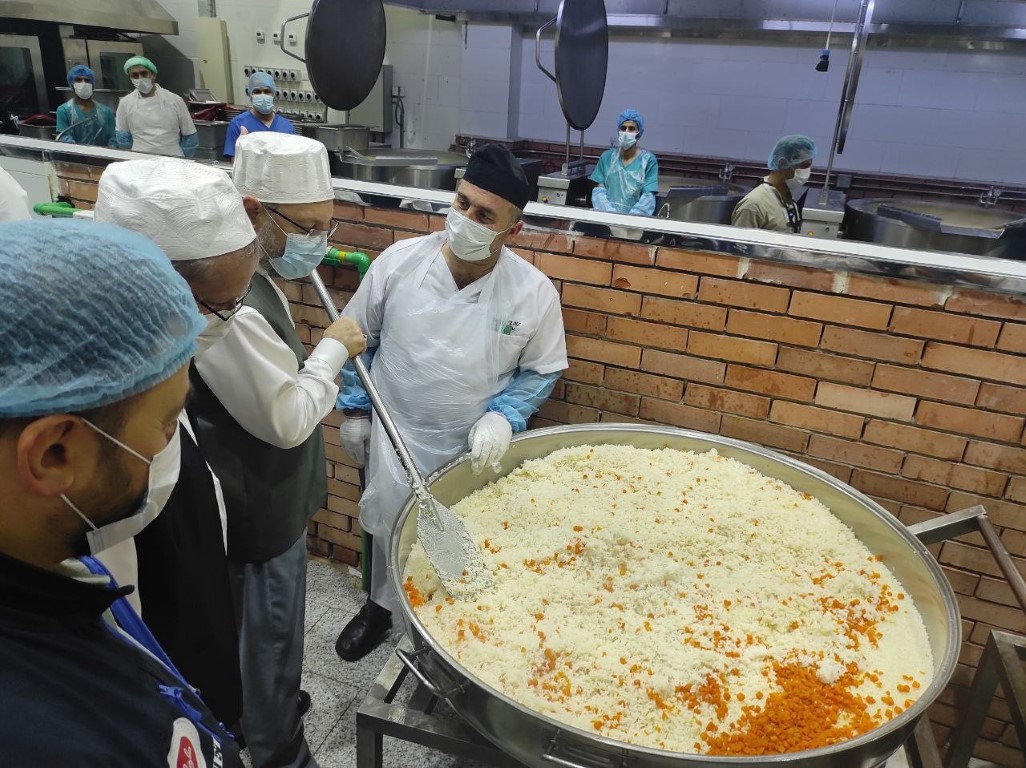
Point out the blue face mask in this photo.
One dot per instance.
(302, 255)
(263, 103)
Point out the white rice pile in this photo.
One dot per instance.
(680, 601)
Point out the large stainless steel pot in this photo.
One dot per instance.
(211, 133)
(937, 226)
(421, 169)
(538, 740)
(339, 138)
(702, 200)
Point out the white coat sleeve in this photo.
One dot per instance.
(257, 379)
(13, 199)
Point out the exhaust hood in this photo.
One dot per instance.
(121, 15)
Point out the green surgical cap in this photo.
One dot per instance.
(140, 61)
(90, 314)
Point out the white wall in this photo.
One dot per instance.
(919, 112)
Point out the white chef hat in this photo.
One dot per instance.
(282, 168)
(191, 211)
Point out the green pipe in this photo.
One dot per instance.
(57, 210)
(360, 260)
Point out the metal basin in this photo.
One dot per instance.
(37, 131)
(211, 133)
(421, 169)
(701, 200)
(937, 226)
(339, 138)
(537, 740)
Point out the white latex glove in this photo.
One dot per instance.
(355, 432)
(489, 440)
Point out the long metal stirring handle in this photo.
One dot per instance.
(416, 481)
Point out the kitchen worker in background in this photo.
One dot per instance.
(13, 200)
(93, 380)
(774, 204)
(627, 176)
(259, 401)
(466, 344)
(81, 120)
(260, 117)
(152, 119)
(194, 213)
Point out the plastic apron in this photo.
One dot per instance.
(438, 365)
(153, 123)
(625, 183)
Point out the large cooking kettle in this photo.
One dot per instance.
(540, 741)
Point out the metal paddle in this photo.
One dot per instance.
(449, 548)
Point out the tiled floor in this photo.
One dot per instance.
(337, 687)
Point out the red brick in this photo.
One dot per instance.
(740, 294)
(347, 507)
(999, 398)
(600, 351)
(727, 400)
(614, 250)
(603, 299)
(995, 591)
(647, 334)
(363, 236)
(970, 421)
(764, 433)
(876, 346)
(857, 454)
(1014, 541)
(900, 489)
(684, 313)
(80, 190)
(348, 211)
(1017, 490)
(398, 218)
(1013, 338)
(679, 415)
(770, 382)
(896, 290)
(574, 270)
(954, 475)
(539, 240)
(972, 302)
(944, 326)
(342, 538)
(659, 281)
(816, 419)
(584, 372)
(791, 275)
(436, 222)
(702, 263)
(317, 547)
(839, 309)
(996, 366)
(936, 386)
(999, 457)
(76, 171)
(683, 366)
(727, 348)
(840, 471)
(567, 413)
(1011, 619)
(334, 520)
(579, 321)
(822, 366)
(622, 380)
(342, 489)
(883, 404)
(603, 399)
(914, 439)
(347, 474)
(784, 330)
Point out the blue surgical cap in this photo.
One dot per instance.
(791, 151)
(81, 70)
(631, 114)
(90, 314)
(260, 80)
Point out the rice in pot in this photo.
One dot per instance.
(680, 601)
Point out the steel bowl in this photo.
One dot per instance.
(538, 740)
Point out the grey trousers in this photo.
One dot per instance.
(270, 605)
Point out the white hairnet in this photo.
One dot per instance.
(191, 211)
(90, 314)
(282, 168)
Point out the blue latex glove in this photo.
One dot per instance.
(600, 200)
(189, 144)
(122, 139)
(645, 205)
(523, 396)
(352, 394)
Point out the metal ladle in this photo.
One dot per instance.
(446, 541)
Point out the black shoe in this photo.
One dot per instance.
(364, 632)
(304, 703)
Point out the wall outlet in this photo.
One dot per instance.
(260, 36)
(293, 76)
(276, 37)
(292, 38)
(247, 70)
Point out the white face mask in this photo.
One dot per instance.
(469, 240)
(143, 84)
(83, 90)
(164, 468)
(627, 139)
(797, 183)
(216, 330)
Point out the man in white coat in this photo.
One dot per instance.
(465, 343)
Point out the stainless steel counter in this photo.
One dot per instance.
(842, 256)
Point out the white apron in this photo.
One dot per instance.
(437, 367)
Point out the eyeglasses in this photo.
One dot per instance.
(330, 232)
(227, 314)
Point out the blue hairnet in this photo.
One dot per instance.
(631, 114)
(90, 314)
(80, 70)
(791, 151)
(260, 79)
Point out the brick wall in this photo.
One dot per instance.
(911, 392)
